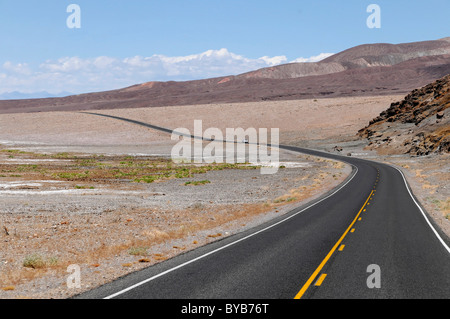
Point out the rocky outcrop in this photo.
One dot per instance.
(418, 125)
(424, 144)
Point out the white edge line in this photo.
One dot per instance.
(423, 213)
(282, 221)
(228, 245)
(415, 202)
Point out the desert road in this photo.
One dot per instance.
(368, 238)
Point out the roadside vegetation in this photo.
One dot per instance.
(95, 168)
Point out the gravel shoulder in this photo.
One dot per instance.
(428, 178)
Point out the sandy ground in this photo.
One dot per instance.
(113, 228)
(297, 120)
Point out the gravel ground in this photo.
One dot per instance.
(297, 120)
(115, 229)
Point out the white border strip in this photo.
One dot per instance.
(228, 245)
(421, 210)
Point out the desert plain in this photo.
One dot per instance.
(101, 193)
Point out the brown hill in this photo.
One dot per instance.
(418, 125)
(384, 54)
(363, 56)
(388, 69)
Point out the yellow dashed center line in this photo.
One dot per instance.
(320, 280)
(322, 264)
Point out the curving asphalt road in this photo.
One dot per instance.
(368, 238)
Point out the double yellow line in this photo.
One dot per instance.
(322, 264)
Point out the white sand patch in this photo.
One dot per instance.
(18, 184)
(27, 161)
(282, 164)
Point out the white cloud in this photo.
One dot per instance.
(275, 60)
(68, 64)
(19, 68)
(79, 75)
(316, 58)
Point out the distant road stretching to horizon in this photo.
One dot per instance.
(325, 249)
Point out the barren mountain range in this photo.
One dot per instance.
(363, 56)
(366, 70)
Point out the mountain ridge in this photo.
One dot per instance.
(349, 73)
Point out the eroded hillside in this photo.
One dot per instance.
(417, 125)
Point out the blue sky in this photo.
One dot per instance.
(122, 42)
